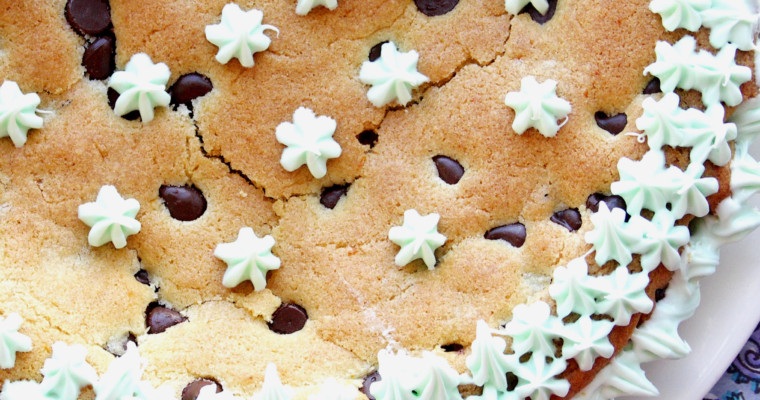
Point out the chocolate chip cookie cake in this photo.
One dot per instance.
(383, 199)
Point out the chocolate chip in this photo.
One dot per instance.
(88, 17)
(452, 347)
(331, 195)
(537, 16)
(449, 169)
(653, 87)
(659, 294)
(185, 203)
(570, 219)
(288, 318)
(191, 391)
(130, 338)
(513, 234)
(367, 382)
(98, 59)
(612, 124)
(142, 277)
(368, 138)
(160, 318)
(113, 95)
(433, 8)
(189, 87)
(511, 381)
(376, 50)
(592, 203)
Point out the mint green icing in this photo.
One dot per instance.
(623, 294)
(587, 339)
(692, 192)
(111, 218)
(239, 35)
(66, 372)
(537, 105)
(746, 117)
(22, 390)
(208, 392)
(680, 13)
(674, 64)
(533, 329)
(731, 21)
(745, 174)
(641, 183)
(331, 389)
(409, 378)
(663, 121)
(122, 378)
(612, 238)
(708, 136)
(436, 379)
(11, 341)
(702, 256)
(392, 76)
(734, 221)
(661, 241)
(273, 389)
(309, 141)
(305, 6)
(515, 6)
(536, 379)
(418, 238)
(573, 290)
(17, 113)
(141, 87)
(622, 377)
(248, 258)
(487, 362)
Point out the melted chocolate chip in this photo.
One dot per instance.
(452, 347)
(537, 16)
(191, 391)
(130, 338)
(113, 95)
(185, 203)
(653, 86)
(612, 124)
(592, 203)
(513, 234)
(367, 382)
(288, 318)
(142, 277)
(449, 169)
(331, 196)
(433, 8)
(88, 17)
(368, 138)
(189, 87)
(98, 59)
(376, 50)
(570, 219)
(161, 318)
(659, 294)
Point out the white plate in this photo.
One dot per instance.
(729, 312)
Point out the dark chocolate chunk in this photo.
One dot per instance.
(113, 95)
(513, 234)
(189, 87)
(160, 318)
(376, 50)
(653, 86)
(449, 169)
(368, 138)
(511, 381)
(537, 16)
(367, 382)
(612, 124)
(191, 391)
(288, 318)
(185, 203)
(659, 294)
(570, 219)
(592, 203)
(452, 347)
(88, 17)
(331, 195)
(142, 277)
(98, 59)
(433, 8)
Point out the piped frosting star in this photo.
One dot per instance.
(533, 329)
(537, 106)
(612, 238)
(141, 87)
(17, 113)
(331, 389)
(22, 390)
(398, 376)
(641, 184)
(692, 190)
(418, 238)
(536, 379)
(239, 35)
(111, 218)
(515, 6)
(273, 389)
(708, 136)
(587, 339)
(487, 362)
(623, 294)
(248, 258)
(435, 379)
(392, 76)
(573, 290)
(66, 372)
(309, 142)
(680, 13)
(11, 341)
(731, 21)
(305, 6)
(661, 241)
